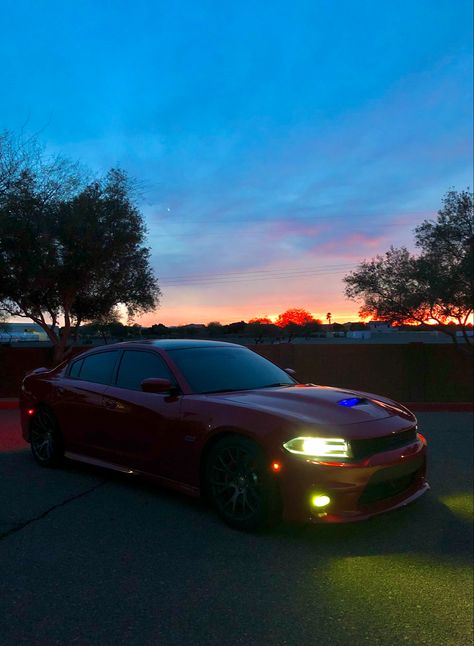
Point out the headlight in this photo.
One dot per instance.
(319, 447)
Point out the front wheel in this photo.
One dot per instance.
(240, 484)
(45, 439)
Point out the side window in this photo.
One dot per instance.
(137, 366)
(99, 367)
(75, 369)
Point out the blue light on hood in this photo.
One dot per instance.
(353, 401)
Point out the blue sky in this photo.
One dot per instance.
(278, 144)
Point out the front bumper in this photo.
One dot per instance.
(377, 484)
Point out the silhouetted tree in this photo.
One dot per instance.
(214, 328)
(434, 285)
(264, 320)
(238, 327)
(296, 316)
(107, 326)
(71, 252)
(158, 329)
(311, 328)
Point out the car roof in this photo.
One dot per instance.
(178, 344)
(165, 344)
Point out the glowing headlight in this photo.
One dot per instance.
(319, 447)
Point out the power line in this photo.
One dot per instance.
(250, 279)
(256, 271)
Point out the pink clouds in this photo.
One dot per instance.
(352, 246)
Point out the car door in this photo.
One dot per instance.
(79, 404)
(146, 429)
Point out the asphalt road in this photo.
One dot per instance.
(88, 557)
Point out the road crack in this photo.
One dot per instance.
(19, 526)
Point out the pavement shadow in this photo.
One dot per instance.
(426, 526)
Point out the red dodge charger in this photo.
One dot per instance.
(218, 419)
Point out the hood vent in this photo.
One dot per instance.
(352, 401)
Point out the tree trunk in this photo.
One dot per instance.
(60, 351)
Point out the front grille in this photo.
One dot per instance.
(364, 448)
(390, 482)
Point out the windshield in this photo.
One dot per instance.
(220, 369)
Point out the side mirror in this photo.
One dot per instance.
(290, 371)
(156, 385)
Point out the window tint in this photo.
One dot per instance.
(99, 367)
(137, 366)
(75, 369)
(215, 369)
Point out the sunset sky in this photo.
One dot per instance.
(277, 143)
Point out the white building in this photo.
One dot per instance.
(22, 332)
(381, 326)
(359, 334)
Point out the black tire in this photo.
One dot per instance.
(240, 485)
(45, 439)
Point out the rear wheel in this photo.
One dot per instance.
(240, 484)
(45, 439)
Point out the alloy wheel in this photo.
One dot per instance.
(235, 483)
(44, 438)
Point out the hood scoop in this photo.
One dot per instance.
(352, 401)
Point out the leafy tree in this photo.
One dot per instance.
(338, 327)
(292, 330)
(238, 327)
(311, 328)
(134, 330)
(260, 327)
(258, 330)
(296, 316)
(214, 328)
(264, 320)
(158, 329)
(71, 251)
(107, 325)
(189, 330)
(433, 285)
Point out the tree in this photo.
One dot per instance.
(71, 251)
(329, 318)
(433, 285)
(264, 320)
(296, 316)
(158, 329)
(238, 327)
(214, 328)
(259, 329)
(107, 325)
(312, 328)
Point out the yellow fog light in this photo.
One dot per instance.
(320, 501)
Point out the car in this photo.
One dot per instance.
(218, 420)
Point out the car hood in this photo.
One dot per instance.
(317, 404)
